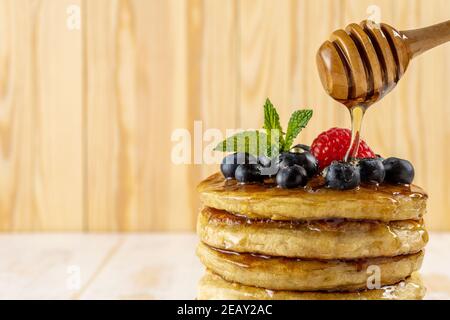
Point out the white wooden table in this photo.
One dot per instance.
(135, 266)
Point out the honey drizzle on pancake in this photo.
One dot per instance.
(247, 259)
(217, 183)
(216, 216)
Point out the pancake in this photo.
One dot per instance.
(385, 202)
(279, 273)
(318, 239)
(213, 287)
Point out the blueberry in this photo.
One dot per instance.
(232, 161)
(291, 177)
(304, 159)
(342, 176)
(287, 159)
(300, 148)
(309, 162)
(371, 170)
(398, 170)
(246, 173)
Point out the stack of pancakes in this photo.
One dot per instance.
(262, 242)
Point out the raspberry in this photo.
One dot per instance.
(333, 144)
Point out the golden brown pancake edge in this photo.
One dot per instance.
(213, 287)
(280, 273)
(320, 239)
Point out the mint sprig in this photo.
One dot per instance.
(252, 142)
(271, 117)
(272, 126)
(274, 141)
(299, 120)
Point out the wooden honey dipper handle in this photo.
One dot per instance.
(421, 40)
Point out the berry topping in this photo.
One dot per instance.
(304, 159)
(309, 162)
(332, 145)
(232, 161)
(270, 142)
(291, 177)
(246, 173)
(287, 159)
(398, 170)
(342, 176)
(371, 170)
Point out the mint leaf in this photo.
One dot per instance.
(298, 121)
(271, 117)
(273, 127)
(253, 142)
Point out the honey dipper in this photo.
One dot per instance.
(362, 63)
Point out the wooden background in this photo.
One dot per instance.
(86, 116)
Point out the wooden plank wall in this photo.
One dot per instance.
(41, 125)
(86, 116)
